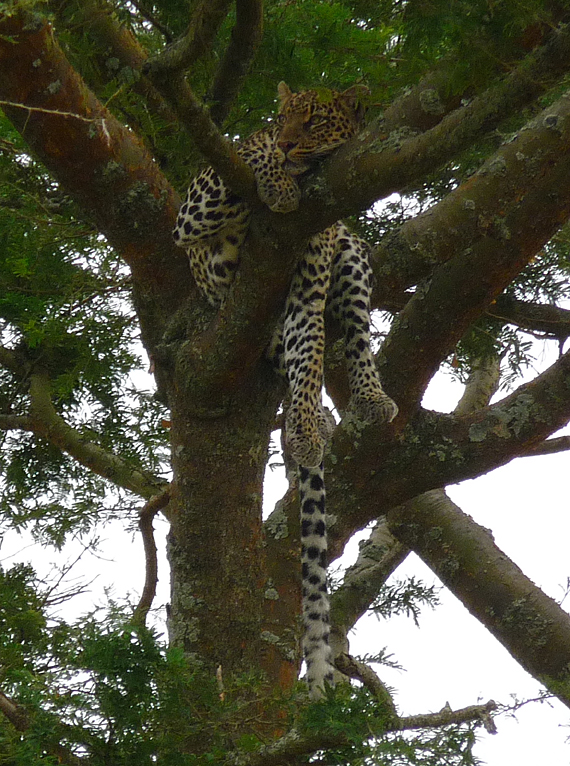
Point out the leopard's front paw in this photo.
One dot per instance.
(376, 407)
(280, 198)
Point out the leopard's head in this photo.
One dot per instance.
(313, 123)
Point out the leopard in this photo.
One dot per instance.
(333, 276)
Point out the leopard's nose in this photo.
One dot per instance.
(286, 146)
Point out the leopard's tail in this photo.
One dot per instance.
(316, 619)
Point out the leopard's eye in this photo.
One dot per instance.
(315, 121)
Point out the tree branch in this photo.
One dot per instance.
(206, 19)
(353, 668)
(374, 165)
(535, 317)
(382, 553)
(14, 713)
(533, 628)
(470, 212)
(379, 556)
(386, 469)
(447, 717)
(12, 361)
(146, 516)
(218, 150)
(550, 447)
(434, 320)
(295, 744)
(19, 719)
(244, 42)
(113, 40)
(44, 421)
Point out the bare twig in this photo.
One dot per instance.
(147, 514)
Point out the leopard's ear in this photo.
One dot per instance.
(356, 98)
(284, 92)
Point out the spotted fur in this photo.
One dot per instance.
(333, 274)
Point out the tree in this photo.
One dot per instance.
(469, 123)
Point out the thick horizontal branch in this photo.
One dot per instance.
(530, 625)
(98, 162)
(535, 317)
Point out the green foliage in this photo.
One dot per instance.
(354, 714)
(404, 597)
(114, 692)
(65, 305)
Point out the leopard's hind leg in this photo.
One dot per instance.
(349, 302)
(303, 349)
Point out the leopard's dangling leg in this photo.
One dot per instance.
(304, 343)
(349, 302)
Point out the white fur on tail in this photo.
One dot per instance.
(316, 620)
